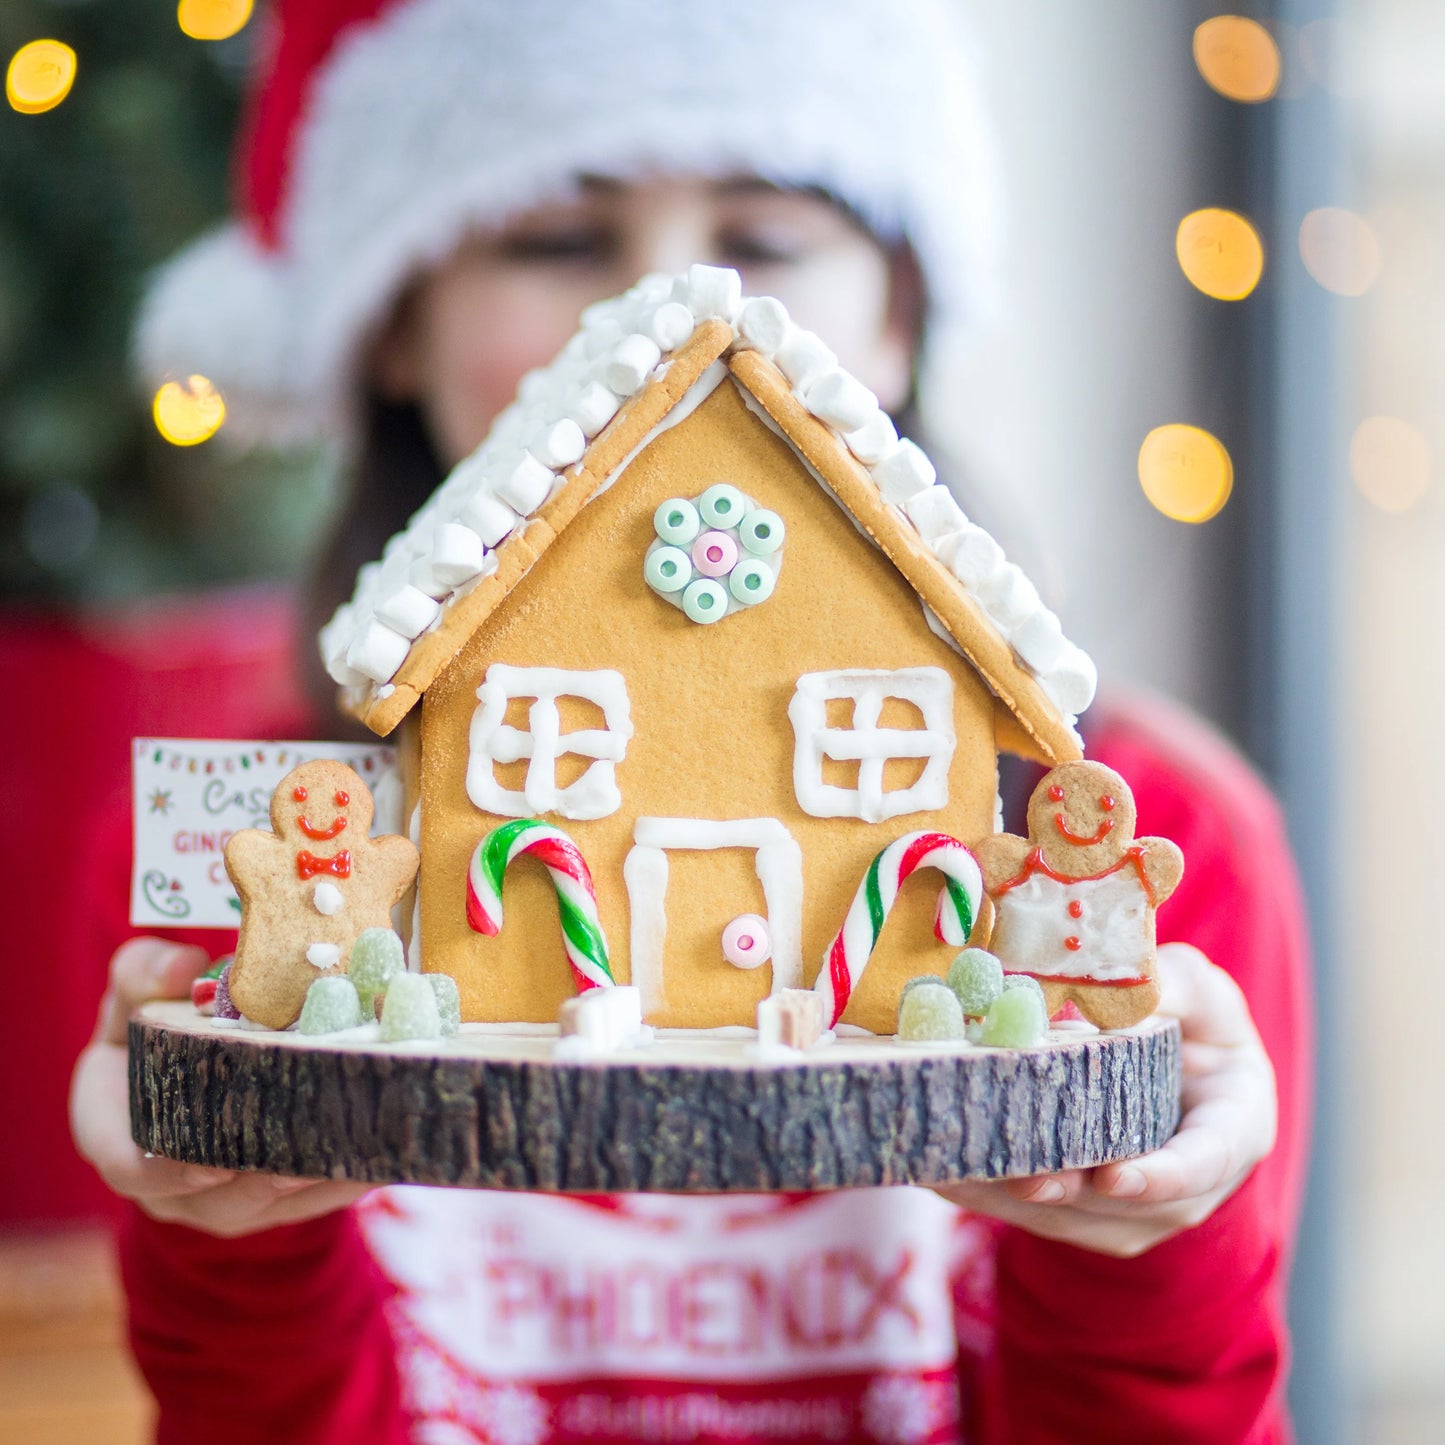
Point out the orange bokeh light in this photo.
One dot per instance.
(1238, 58)
(213, 19)
(190, 413)
(39, 76)
(1185, 471)
(1220, 252)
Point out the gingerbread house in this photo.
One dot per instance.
(695, 602)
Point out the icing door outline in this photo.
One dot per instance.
(779, 864)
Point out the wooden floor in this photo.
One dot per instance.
(65, 1375)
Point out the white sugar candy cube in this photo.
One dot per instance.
(792, 1017)
(603, 1018)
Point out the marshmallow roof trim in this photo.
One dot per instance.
(452, 542)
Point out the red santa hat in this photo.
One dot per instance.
(382, 132)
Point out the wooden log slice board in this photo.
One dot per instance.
(493, 1109)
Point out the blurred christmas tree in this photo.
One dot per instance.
(93, 194)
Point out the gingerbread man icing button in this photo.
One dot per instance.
(1075, 900)
(309, 888)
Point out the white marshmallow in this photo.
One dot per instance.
(903, 474)
(670, 325)
(763, 323)
(342, 673)
(601, 312)
(974, 557)
(594, 407)
(841, 400)
(457, 553)
(535, 385)
(935, 513)
(713, 291)
(377, 651)
(490, 518)
(559, 445)
(631, 363)
(1009, 596)
(408, 611)
(425, 580)
(1072, 680)
(803, 358)
(874, 440)
(604, 1018)
(1039, 640)
(652, 289)
(527, 485)
(323, 955)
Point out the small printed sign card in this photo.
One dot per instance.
(189, 796)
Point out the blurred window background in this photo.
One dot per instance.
(1214, 401)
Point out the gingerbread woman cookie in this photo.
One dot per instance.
(1075, 900)
(309, 887)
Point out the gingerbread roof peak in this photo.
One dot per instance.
(643, 352)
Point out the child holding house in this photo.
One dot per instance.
(432, 191)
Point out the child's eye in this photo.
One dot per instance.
(564, 244)
(756, 246)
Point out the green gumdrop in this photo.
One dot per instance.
(449, 1001)
(1015, 1020)
(377, 957)
(930, 1011)
(1029, 984)
(410, 1010)
(915, 982)
(331, 1004)
(976, 976)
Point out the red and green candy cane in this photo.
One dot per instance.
(582, 934)
(958, 905)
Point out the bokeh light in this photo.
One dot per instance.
(1340, 250)
(1185, 471)
(213, 19)
(1390, 462)
(190, 413)
(39, 76)
(1238, 58)
(1220, 252)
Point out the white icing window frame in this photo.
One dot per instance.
(779, 865)
(929, 689)
(493, 740)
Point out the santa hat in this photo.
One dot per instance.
(382, 132)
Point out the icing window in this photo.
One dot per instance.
(592, 794)
(869, 746)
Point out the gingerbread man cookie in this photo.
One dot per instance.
(1075, 900)
(309, 887)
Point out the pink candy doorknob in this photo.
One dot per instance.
(714, 554)
(746, 942)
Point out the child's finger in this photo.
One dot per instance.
(1194, 1163)
(143, 969)
(1061, 1188)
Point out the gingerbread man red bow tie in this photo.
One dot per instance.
(308, 865)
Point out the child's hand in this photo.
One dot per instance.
(220, 1201)
(1227, 1128)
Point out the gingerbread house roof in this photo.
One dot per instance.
(640, 363)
